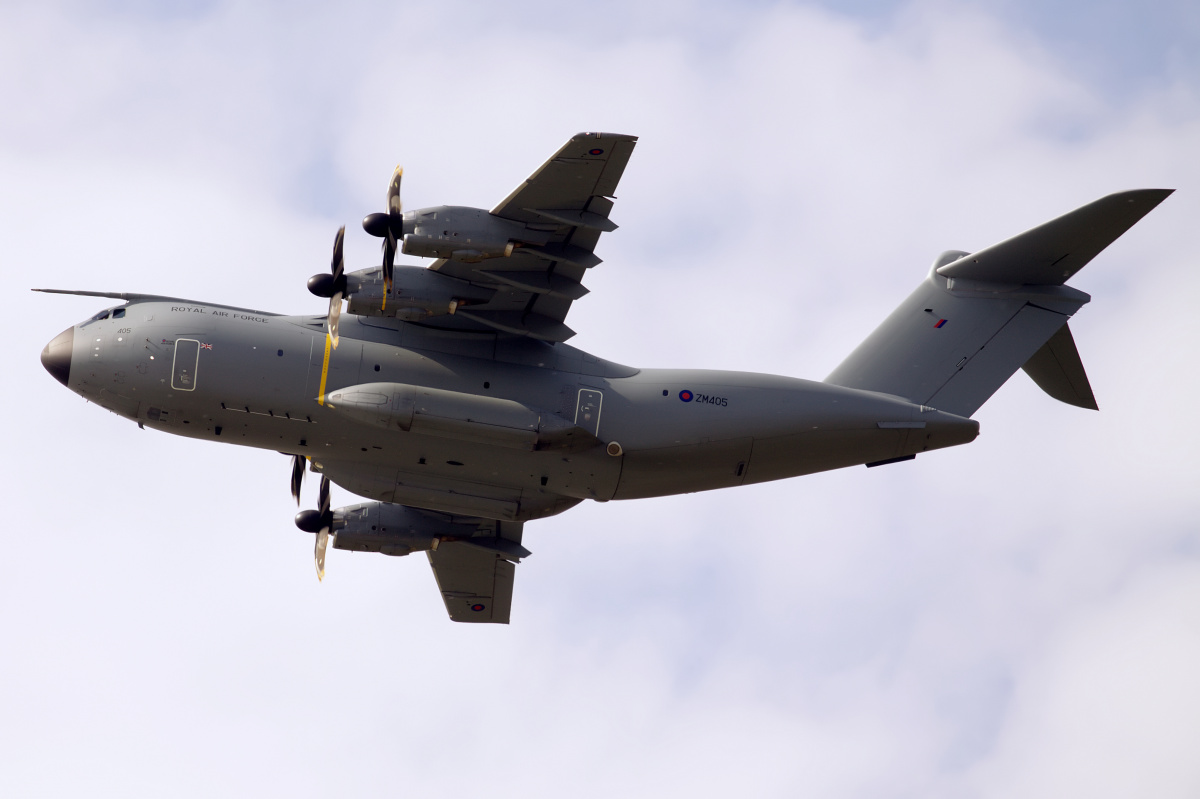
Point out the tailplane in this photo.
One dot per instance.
(979, 317)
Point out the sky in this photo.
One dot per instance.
(1020, 616)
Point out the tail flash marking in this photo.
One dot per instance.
(324, 371)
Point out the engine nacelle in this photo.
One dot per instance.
(465, 234)
(417, 293)
(440, 247)
(399, 530)
(387, 528)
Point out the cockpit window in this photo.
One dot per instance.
(117, 314)
(99, 316)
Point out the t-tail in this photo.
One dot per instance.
(979, 317)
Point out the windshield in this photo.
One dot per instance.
(115, 313)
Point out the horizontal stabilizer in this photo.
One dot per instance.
(1051, 253)
(1058, 370)
(976, 319)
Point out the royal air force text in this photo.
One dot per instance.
(225, 314)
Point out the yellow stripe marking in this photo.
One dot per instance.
(324, 371)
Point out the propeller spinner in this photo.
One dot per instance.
(319, 521)
(332, 285)
(388, 226)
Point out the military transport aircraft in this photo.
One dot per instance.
(449, 398)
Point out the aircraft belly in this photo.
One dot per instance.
(820, 450)
(474, 480)
(662, 471)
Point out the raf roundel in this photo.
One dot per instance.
(596, 151)
(686, 395)
(477, 607)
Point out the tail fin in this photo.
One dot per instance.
(978, 318)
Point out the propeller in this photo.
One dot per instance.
(332, 285)
(319, 521)
(388, 226)
(323, 533)
(298, 464)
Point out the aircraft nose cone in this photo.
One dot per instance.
(57, 355)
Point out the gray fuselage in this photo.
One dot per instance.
(246, 377)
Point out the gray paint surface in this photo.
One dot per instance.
(464, 429)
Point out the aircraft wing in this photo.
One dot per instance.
(476, 584)
(567, 199)
(586, 168)
(473, 558)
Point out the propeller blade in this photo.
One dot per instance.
(335, 313)
(323, 496)
(323, 534)
(395, 210)
(319, 552)
(337, 267)
(298, 463)
(389, 263)
(393, 196)
(338, 264)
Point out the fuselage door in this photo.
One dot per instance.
(587, 410)
(187, 359)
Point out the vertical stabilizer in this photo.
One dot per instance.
(979, 317)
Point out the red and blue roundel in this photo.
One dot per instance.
(596, 151)
(478, 607)
(686, 395)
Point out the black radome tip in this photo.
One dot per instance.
(57, 355)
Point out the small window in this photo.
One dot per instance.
(119, 313)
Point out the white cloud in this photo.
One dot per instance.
(1109, 708)
(1009, 617)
